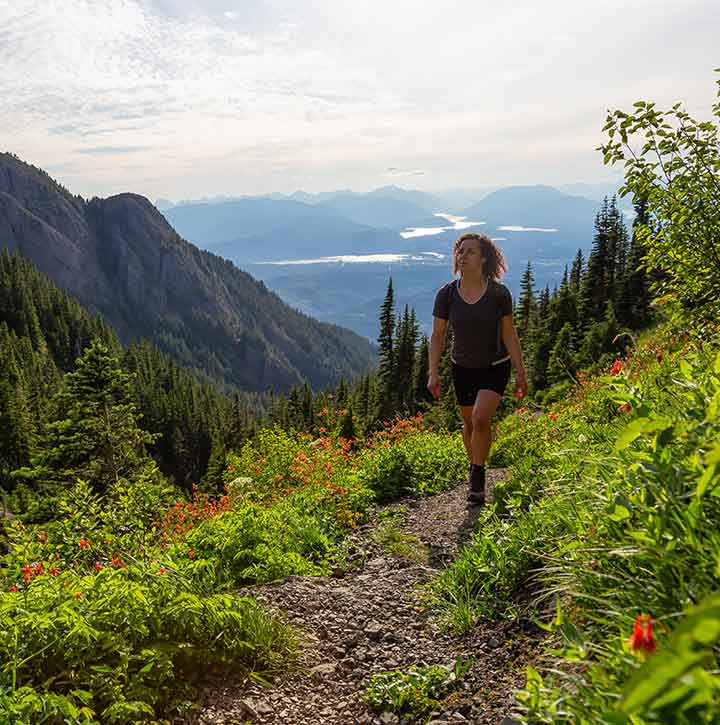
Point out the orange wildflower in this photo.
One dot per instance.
(642, 636)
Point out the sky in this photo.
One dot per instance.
(187, 98)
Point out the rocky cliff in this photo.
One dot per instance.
(121, 258)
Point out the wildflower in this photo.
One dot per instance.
(12, 588)
(78, 595)
(116, 561)
(519, 394)
(83, 543)
(624, 408)
(162, 570)
(192, 554)
(642, 636)
(54, 570)
(31, 571)
(98, 567)
(43, 537)
(553, 416)
(322, 430)
(616, 368)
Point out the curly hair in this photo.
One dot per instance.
(495, 264)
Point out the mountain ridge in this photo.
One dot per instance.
(121, 258)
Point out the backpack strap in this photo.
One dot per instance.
(498, 326)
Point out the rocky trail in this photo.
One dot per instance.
(369, 619)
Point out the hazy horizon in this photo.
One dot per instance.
(183, 99)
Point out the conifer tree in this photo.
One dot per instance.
(94, 434)
(594, 288)
(561, 362)
(386, 394)
(526, 304)
(421, 395)
(576, 271)
(405, 361)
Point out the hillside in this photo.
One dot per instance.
(119, 257)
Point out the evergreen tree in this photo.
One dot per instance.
(634, 300)
(405, 363)
(561, 362)
(94, 434)
(526, 305)
(386, 393)
(576, 271)
(594, 287)
(421, 395)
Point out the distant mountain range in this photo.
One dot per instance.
(119, 257)
(537, 223)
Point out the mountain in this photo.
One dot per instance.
(259, 229)
(119, 257)
(377, 210)
(591, 191)
(533, 206)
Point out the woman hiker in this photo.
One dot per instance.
(479, 309)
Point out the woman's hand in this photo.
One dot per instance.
(434, 385)
(520, 385)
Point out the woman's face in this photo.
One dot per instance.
(469, 257)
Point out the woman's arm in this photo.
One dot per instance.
(512, 343)
(435, 349)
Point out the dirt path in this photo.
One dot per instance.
(369, 620)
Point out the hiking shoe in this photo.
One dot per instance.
(476, 490)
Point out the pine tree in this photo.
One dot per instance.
(576, 271)
(634, 302)
(526, 305)
(405, 362)
(421, 395)
(594, 286)
(561, 362)
(386, 394)
(95, 434)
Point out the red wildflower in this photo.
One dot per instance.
(12, 588)
(322, 430)
(162, 570)
(519, 394)
(642, 636)
(54, 570)
(43, 537)
(98, 567)
(553, 416)
(624, 408)
(616, 368)
(83, 543)
(31, 571)
(192, 554)
(116, 561)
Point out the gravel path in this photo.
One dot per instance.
(369, 620)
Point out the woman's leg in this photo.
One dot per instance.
(486, 403)
(466, 411)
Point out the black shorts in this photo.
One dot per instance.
(467, 381)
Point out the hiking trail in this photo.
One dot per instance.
(369, 619)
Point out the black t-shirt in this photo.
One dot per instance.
(477, 339)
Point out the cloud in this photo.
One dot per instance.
(111, 150)
(392, 171)
(262, 95)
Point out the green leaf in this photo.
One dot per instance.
(619, 513)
